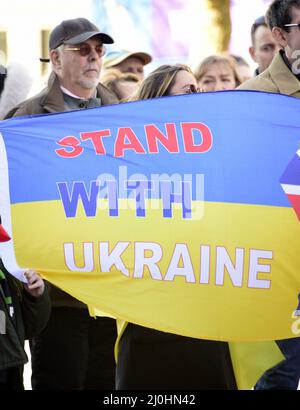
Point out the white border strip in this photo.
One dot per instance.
(7, 252)
(291, 189)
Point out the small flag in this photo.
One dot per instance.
(290, 182)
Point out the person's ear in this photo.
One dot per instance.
(252, 53)
(55, 59)
(280, 36)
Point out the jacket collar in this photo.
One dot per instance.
(53, 100)
(283, 77)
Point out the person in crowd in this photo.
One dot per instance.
(167, 80)
(124, 85)
(263, 45)
(15, 84)
(282, 76)
(151, 359)
(242, 67)
(24, 311)
(217, 73)
(74, 351)
(128, 62)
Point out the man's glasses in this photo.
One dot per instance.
(86, 49)
(292, 25)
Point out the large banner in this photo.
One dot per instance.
(179, 214)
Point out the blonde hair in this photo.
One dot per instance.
(112, 77)
(205, 64)
(159, 82)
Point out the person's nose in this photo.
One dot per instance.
(93, 54)
(219, 86)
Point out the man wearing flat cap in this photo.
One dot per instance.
(74, 351)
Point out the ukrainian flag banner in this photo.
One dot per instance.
(179, 214)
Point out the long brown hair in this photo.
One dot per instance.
(159, 82)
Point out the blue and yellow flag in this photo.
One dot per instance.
(178, 213)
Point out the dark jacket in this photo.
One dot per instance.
(30, 317)
(50, 100)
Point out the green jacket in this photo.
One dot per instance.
(31, 315)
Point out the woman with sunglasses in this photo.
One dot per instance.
(167, 80)
(151, 359)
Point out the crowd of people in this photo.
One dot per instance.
(70, 350)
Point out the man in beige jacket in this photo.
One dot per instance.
(282, 76)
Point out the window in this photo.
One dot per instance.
(44, 49)
(3, 48)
